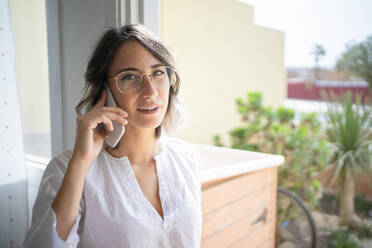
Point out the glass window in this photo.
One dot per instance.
(28, 20)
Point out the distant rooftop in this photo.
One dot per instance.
(327, 83)
(324, 83)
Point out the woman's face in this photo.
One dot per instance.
(133, 54)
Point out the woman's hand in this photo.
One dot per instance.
(88, 143)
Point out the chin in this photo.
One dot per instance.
(147, 124)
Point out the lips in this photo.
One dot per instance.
(153, 111)
(150, 107)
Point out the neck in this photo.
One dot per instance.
(139, 145)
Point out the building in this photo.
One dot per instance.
(300, 88)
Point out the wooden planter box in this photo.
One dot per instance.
(238, 197)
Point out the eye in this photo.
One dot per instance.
(158, 72)
(128, 77)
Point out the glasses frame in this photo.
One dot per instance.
(141, 75)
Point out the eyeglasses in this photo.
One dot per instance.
(131, 81)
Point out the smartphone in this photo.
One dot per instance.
(114, 136)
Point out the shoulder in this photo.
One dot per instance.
(54, 173)
(63, 156)
(181, 146)
(187, 153)
(59, 162)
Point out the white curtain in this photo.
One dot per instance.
(13, 180)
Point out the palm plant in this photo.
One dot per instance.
(350, 134)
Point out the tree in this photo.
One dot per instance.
(357, 60)
(350, 134)
(318, 52)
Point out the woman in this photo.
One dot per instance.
(146, 191)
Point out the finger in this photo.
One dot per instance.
(102, 118)
(101, 101)
(116, 117)
(116, 110)
(107, 122)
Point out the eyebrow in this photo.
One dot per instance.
(136, 69)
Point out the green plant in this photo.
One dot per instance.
(361, 204)
(350, 134)
(365, 231)
(343, 239)
(274, 131)
(357, 59)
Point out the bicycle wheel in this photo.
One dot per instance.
(295, 226)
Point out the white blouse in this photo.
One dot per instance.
(113, 210)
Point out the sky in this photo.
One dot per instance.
(331, 23)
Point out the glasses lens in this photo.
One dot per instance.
(162, 77)
(172, 75)
(129, 82)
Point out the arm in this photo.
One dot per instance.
(66, 202)
(43, 229)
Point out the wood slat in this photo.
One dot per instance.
(256, 201)
(217, 196)
(238, 231)
(272, 212)
(256, 239)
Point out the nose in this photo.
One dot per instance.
(148, 87)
